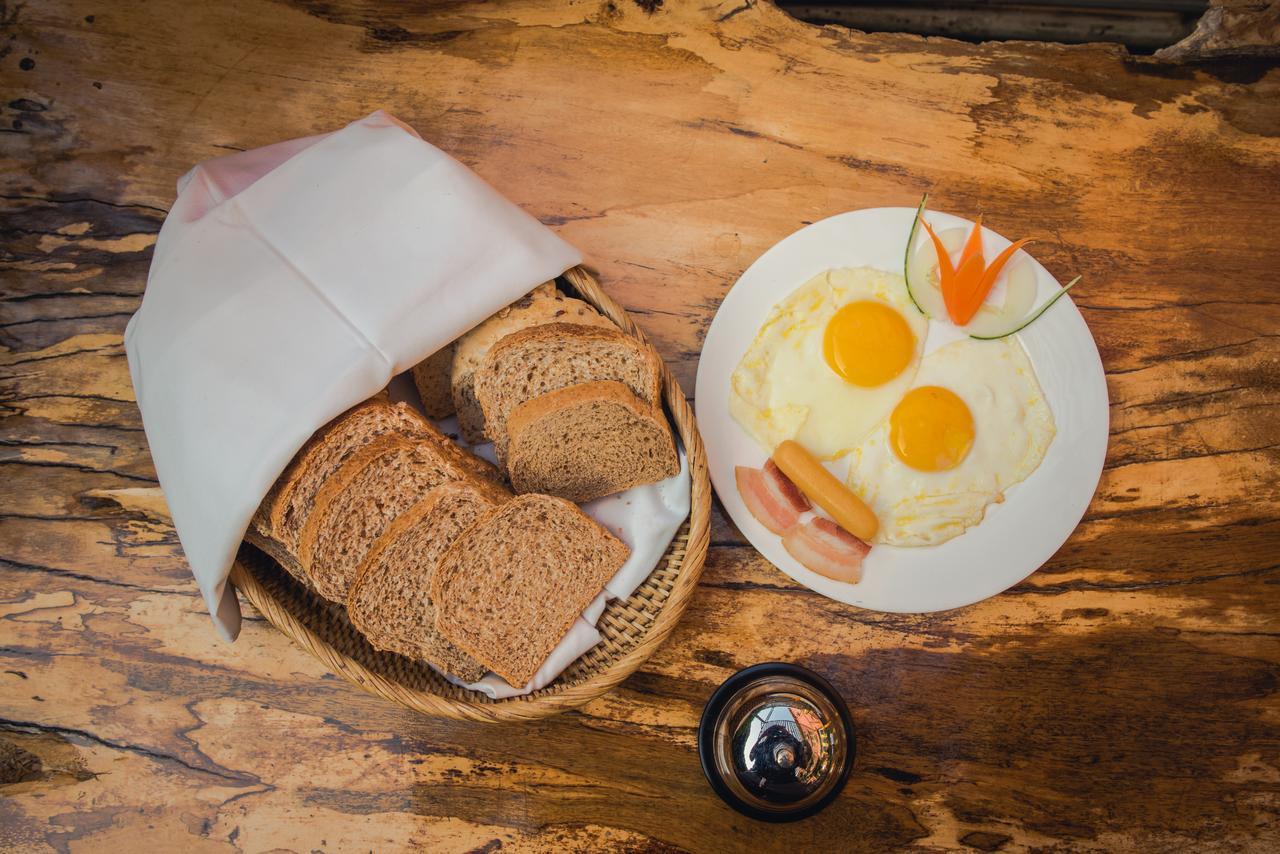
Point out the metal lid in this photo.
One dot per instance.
(776, 742)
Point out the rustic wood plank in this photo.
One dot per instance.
(1123, 697)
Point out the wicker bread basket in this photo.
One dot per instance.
(631, 629)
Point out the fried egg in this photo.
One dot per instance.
(830, 362)
(973, 423)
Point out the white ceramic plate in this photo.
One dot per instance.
(1016, 537)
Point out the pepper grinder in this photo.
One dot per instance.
(776, 742)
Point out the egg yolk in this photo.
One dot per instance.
(931, 429)
(868, 343)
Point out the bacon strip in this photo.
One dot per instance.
(785, 487)
(771, 497)
(827, 549)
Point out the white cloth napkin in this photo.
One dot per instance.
(290, 283)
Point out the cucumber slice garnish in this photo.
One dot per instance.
(924, 274)
(1020, 286)
(1034, 315)
(906, 260)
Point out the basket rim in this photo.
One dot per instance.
(536, 705)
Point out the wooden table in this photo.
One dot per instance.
(1123, 697)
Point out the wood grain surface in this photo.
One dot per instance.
(1122, 698)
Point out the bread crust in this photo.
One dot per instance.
(610, 391)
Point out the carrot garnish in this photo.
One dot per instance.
(959, 297)
(973, 246)
(972, 300)
(959, 282)
(945, 271)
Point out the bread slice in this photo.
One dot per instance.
(274, 550)
(512, 584)
(290, 501)
(540, 307)
(431, 376)
(588, 440)
(544, 358)
(288, 506)
(422, 429)
(390, 601)
(357, 503)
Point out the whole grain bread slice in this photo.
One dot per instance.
(288, 506)
(357, 503)
(588, 440)
(424, 430)
(390, 601)
(512, 584)
(552, 356)
(541, 307)
(277, 552)
(431, 376)
(284, 511)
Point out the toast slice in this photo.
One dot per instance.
(512, 584)
(357, 503)
(552, 356)
(542, 306)
(288, 506)
(588, 440)
(390, 601)
(431, 376)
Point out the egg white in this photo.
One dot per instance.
(783, 387)
(1013, 427)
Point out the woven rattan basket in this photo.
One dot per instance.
(631, 629)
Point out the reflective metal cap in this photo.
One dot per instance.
(776, 742)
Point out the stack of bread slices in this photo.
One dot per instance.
(439, 555)
(571, 404)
